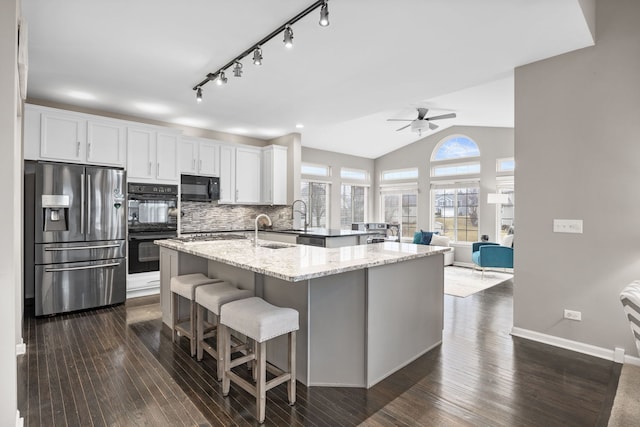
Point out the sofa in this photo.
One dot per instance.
(434, 239)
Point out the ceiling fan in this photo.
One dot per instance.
(422, 122)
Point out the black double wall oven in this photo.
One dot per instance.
(152, 215)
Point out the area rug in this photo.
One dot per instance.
(462, 282)
(626, 410)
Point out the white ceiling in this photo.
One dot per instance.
(377, 60)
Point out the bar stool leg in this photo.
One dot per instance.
(201, 314)
(224, 357)
(261, 384)
(192, 325)
(291, 388)
(174, 316)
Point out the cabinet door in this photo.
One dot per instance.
(208, 160)
(188, 156)
(248, 165)
(274, 175)
(141, 154)
(267, 176)
(105, 143)
(63, 137)
(167, 157)
(227, 174)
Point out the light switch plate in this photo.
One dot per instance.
(567, 226)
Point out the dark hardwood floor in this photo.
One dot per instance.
(118, 366)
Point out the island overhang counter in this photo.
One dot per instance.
(365, 311)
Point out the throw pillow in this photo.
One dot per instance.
(439, 240)
(426, 237)
(507, 240)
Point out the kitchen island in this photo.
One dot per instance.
(365, 311)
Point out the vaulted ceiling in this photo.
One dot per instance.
(376, 60)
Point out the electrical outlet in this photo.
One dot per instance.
(572, 315)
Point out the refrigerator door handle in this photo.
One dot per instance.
(88, 203)
(82, 204)
(81, 248)
(89, 267)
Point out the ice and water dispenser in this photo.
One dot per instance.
(55, 209)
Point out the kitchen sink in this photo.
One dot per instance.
(276, 246)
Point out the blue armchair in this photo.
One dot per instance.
(486, 254)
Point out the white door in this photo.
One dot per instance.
(167, 157)
(141, 154)
(227, 174)
(63, 137)
(248, 175)
(106, 143)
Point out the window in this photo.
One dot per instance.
(317, 170)
(401, 207)
(353, 205)
(316, 196)
(455, 210)
(456, 169)
(354, 174)
(456, 147)
(398, 174)
(505, 165)
(506, 211)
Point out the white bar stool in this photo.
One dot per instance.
(185, 286)
(259, 321)
(211, 297)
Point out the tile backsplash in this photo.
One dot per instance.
(207, 217)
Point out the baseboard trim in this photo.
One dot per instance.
(21, 348)
(19, 419)
(591, 350)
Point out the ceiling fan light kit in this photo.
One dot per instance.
(219, 76)
(422, 122)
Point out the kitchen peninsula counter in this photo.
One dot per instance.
(365, 311)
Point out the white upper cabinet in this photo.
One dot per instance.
(199, 157)
(248, 175)
(227, 174)
(65, 136)
(152, 155)
(274, 175)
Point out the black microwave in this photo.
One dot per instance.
(199, 188)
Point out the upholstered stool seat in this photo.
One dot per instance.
(211, 297)
(259, 321)
(185, 286)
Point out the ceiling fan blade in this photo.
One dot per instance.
(403, 127)
(433, 126)
(399, 120)
(422, 112)
(444, 116)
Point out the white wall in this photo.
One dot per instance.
(494, 143)
(577, 143)
(337, 161)
(10, 214)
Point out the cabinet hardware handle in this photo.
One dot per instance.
(200, 167)
(193, 164)
(158, 169)
(149, 168)
(88, 150)
(78, 149)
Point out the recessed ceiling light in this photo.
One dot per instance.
(81, 95)
(299, 126)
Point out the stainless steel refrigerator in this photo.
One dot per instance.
(79, 235)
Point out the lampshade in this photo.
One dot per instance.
(497, 198)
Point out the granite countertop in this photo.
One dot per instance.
(325, 232)
(295, 263)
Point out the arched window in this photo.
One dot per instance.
(455, 147)
(455, 203)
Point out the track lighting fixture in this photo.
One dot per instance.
(219, 76)
(221, 79)
(257, 56)
(324, 14)
(288, 37)
(237, 69)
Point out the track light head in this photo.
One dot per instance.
(221, 79)
(199, 95)
(257, 56)
(237, 69)
(324, 14)
(288, 37)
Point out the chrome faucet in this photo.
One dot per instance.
(293, 211)
(255, 242)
